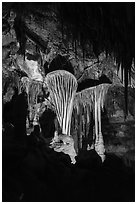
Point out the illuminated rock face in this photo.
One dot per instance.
(64, 143)
(30, 67)
(33, 66)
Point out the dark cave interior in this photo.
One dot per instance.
(68, 93)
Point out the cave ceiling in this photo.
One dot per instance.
(106, 26)
(76, 30)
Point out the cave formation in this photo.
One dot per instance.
(68, 102)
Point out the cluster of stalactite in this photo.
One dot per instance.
(82, 121)
(86, 106)
(62, 86)
(78, 113)
(109, 27)
(33, 89)
(86, 113)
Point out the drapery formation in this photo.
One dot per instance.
(87, 101)
(62, 86)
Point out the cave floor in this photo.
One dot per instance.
(35, 173)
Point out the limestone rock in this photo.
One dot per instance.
(64, 143)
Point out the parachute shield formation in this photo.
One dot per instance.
(62, 86)
(91, 100)
(69, 104)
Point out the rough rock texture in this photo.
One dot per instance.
(50, 43)
(118, 132)
(65, 144)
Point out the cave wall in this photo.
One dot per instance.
(52, 43)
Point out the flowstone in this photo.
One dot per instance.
(64, 143)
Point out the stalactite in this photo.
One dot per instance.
(116, 26)
(120, 72)
(84, 101)
(80, 128)
(99, 144)
(85, 124)
(34, 89)
(88, 112)
(26, 83)
(126, 89)
(85, 97)
(76, 130)
(72, 123)
(96, 118)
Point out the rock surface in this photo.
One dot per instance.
(119, 134)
